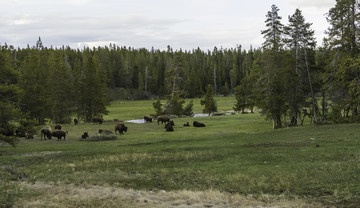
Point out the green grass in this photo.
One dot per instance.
(235, 154)
(136, 109)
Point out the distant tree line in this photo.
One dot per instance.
(288, 78)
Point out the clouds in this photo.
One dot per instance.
(185, 24)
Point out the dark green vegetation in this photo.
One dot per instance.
(235, 154)
(288, 78)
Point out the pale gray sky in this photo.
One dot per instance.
(185, 24)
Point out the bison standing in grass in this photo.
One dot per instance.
(198, 124)
(147, 119)
(29, 135)
(163, 119)
(98, 119)
(59, 134)
(76, 121)
(58, 126)
(120, 128)
(46, 132)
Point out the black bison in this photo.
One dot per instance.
(59, 134)
(29, 135)
(105, 132)
(76, 121)
(120, 128)
(169, 126)
(147, 119)
(46, 132)
(85, 135)
(163, 119)
(98, 119)
(58, 126)
(186, 124)
(198, 124)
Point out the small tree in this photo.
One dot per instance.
(188, 110)
(158, 107)
(174, 105)
(209, 102)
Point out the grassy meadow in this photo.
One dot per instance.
(235, 161)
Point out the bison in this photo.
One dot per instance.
(29, 135)
(59, 134)
(120, 128)
(198, 124)
(163, 119)
(186, 124)
(58, 126)
(98, 119)
(147, 119)
(85, 135)
(169, 126)
(46, 131)
(76, 121)
(105, 132)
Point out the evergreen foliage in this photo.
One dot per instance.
(209, 101)
(287, 79)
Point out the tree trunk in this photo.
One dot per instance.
(276, 121)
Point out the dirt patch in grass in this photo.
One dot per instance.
(69, 195)
(34, 154)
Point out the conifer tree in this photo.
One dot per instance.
(9, 97)
(209, 101)
(271, 86)
(300, 41)
(61, 88)
(93, 97)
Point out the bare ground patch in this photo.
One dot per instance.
(33, 154)
(61, 195)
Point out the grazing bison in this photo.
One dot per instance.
(98, 119)
(186, 124)
(29, 135)
(76, 121)
(105, 132)
(169, 126)
(147, 119)
(198, 124)
(46, 131)
(120, 128)
(85, 135)
(163, 119)
(59, 134)
(58, 126)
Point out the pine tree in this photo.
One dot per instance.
(300, 40)
(209, 101)
(273, 33)
(61, 88)
(9, 97)
(343, 39)
(271, 85)
(36, 82)
(93, 97)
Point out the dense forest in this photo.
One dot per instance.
(289, 78)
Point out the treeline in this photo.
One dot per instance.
(288, 78)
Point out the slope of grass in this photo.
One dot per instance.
(238, 154)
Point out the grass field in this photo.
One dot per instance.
(235, 161)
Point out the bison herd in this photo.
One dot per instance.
(47, 132)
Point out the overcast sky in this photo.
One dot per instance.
(185, 24)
